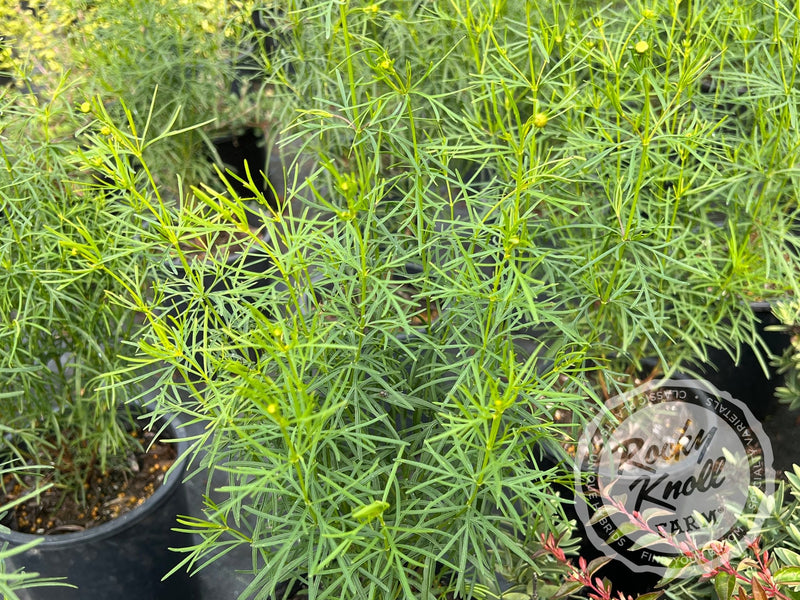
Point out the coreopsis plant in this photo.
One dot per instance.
(675, 205)
(667, 185)
(194, 54)
(571, 185)
(360, 438)
(61, 340)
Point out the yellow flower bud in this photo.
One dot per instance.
(85, 107)
(540, 120)
(641, 47)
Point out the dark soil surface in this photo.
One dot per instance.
(108, 494)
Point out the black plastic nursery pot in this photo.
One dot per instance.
(122, 559)
(746, 379)
(245, 152)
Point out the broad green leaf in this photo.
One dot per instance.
(602, 513)
(787, 556)
(650, 513)
(626, 529)
(567, 589)
(794, 532)
(787, 576)
(646, 540)
(597, 564)
(794, 478)
(724, 584)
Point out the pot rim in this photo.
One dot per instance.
(173, 478)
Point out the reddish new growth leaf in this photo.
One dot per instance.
(581, 576)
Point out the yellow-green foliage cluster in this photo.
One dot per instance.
(32, 32)
(42, 38)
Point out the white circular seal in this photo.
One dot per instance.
(671, 468)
